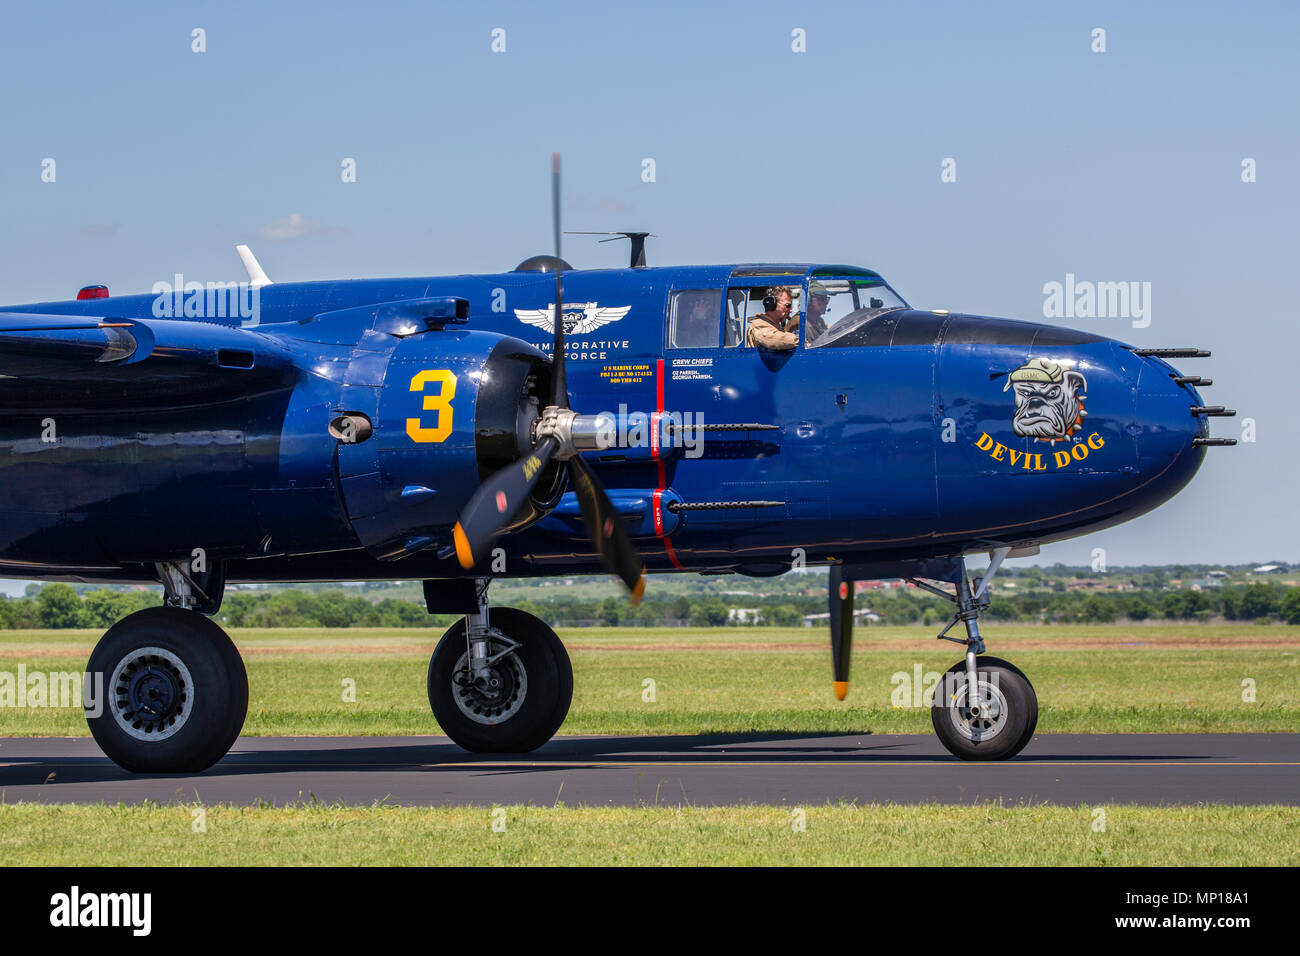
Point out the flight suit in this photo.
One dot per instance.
(764, 333)
(816, 327)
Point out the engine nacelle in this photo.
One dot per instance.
(443, 410)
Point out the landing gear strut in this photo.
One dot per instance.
(500, 681)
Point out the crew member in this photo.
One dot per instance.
(818, 300)
(768, 328)
(698, 327)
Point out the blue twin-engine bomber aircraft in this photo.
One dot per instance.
(449, 429)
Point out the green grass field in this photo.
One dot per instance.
(934, 835)
(1097, 679)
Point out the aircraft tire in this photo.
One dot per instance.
(174, 689)
(527, 705)
(998, 738)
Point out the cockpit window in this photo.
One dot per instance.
(836, 306)
(744, 303)
(694, 320)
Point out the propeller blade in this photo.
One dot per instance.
(555, 202)
(497, 501)
(559, 386)
(840, 595)
(605, 526)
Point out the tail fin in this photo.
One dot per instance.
(256, 275)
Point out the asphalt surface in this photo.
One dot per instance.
(1070, 769)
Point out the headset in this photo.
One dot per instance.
(772, 295)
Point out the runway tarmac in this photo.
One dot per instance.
(1070, 769)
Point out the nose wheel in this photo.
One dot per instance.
(994, 724)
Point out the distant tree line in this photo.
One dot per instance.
(1258, 601)
(61, 606)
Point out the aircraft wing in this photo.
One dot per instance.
(52, 347)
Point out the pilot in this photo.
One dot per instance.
(768, 328)
(818, 300)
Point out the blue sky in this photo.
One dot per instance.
(1115, 166)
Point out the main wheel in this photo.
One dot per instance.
(175, 692)
(523, 699)
(1005, 722)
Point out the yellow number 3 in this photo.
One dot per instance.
(439, 403)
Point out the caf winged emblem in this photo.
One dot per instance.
(579, 317)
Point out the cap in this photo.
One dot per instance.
(1039, 370)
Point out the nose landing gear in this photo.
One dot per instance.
(984, 708)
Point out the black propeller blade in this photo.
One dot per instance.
(605, 526)
(499, 498)
(497, 501)
(492, 507)
(840, 600)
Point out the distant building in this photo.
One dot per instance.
(742, 615)
(1088, 584)
(859, 614)
(1269, 569)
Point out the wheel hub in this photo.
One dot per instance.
(982, 721)
(151, 693)
(495, 696)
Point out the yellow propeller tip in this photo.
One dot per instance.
(463, 553)
(841, 689)
(639, 591)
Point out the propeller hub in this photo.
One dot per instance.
(575, 433)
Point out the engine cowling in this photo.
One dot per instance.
(444, 409)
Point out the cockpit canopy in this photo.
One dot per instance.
(830, 306)
(836, 307)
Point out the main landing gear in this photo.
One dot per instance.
(174, 690)
(500, 680)
(984, 708)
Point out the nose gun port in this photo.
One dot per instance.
(1189, 384)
